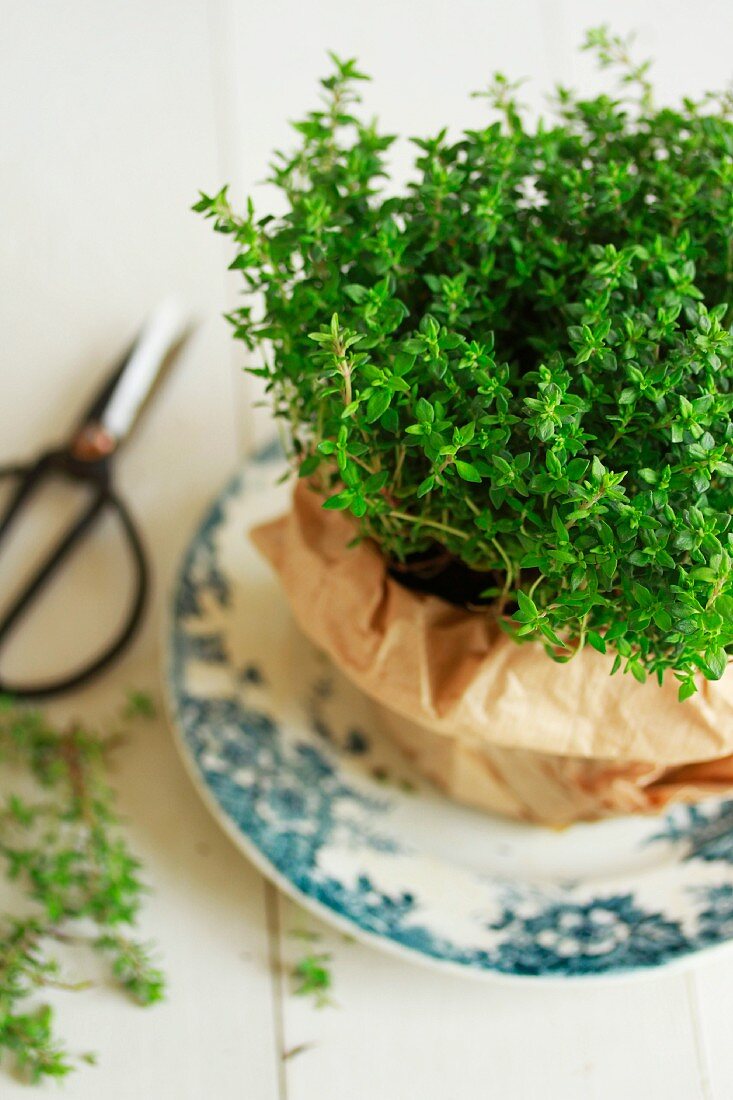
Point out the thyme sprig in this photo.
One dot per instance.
(61, 844)
(522, 362)
(312, 977)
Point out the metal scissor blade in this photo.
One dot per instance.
(102, 396)
(117, 404)
(160, 338)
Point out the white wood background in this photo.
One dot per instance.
(112, 114)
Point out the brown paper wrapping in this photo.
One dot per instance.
(495, 724)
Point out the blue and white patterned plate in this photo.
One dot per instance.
(291, 759)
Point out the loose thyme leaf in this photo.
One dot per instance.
(140, 704)
(312, 978)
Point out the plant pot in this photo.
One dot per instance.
(495, 724)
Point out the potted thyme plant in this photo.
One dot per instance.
(510, 385)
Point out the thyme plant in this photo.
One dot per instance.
(521, 364)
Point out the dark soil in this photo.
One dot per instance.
(445, 577)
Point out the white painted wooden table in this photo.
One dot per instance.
(111, 115)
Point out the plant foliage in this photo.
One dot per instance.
(523, 361)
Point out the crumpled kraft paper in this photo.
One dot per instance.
(497, 725)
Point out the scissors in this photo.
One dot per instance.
(86, 458)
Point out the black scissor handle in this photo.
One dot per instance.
(104, 499)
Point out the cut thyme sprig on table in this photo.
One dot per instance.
(312, 978)
(80, 884)
(522, 362)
